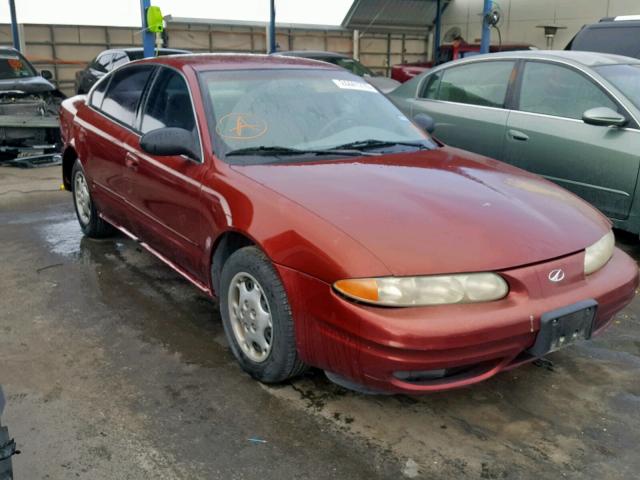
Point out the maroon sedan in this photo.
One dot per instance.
(334, 231)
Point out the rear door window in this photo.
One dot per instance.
(559, 91)
(481, 83)
(124, 93)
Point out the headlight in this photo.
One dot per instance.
(598, 254)
(428, 290)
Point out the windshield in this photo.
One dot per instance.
(302, 110)
(625, 78)
(14, 66)
(352, 65)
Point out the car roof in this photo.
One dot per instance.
(621, 21)
(587, 59)
(311, 54)
(129, 50)
(234, 61)
(9, 50)
(140, 49)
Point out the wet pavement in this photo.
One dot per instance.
(116, 368)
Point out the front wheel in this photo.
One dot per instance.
(90, 222)
(257, 318)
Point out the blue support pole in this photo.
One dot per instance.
(436, 35)
(272, 28)
(14, 25)
(486, 28)
(148, 38)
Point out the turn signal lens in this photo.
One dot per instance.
(597, 255)
(428, 290)
(363, 289)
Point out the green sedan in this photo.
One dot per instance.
(572, 117)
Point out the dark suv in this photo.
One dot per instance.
(110, 60)
(619, 35)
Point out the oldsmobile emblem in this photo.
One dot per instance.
(556, 275)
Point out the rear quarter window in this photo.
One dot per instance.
(98, 93)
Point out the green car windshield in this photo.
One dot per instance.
(13, 66)
(302, 109)
(625, 78)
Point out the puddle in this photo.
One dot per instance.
(63, 238)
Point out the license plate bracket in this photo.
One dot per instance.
(564, 326)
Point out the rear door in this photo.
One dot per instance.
(107, 127)
(165, 190)
(546, 135)
(467, 103)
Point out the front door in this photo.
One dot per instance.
(546, 135)
(165, 190)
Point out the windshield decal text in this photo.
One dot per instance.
(353, 85)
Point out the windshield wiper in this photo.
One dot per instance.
(276, 150)
(373, 143)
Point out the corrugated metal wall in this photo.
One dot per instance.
(65, 49)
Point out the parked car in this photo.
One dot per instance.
(28, 109)
(571, 117)
(382, 83)
(334, 232)
(110, 60)
(617, 35)
(447, 53)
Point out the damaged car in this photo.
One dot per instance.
(336, 232)
(29, 103)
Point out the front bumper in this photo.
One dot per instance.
(376, 347)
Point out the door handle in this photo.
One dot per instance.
(131, 161)
(517, 135)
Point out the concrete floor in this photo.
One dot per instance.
(116, 368)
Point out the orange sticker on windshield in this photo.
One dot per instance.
(241, 126)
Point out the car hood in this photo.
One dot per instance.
(27, 85)
(384, 84)
(439, 211)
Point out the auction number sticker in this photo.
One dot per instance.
(351, 85)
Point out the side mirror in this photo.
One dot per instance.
(170, 141)
(604, 117)
(46, 74)
(425, 122)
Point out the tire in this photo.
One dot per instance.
(249, 273)
(90, 222)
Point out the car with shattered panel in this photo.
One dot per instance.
(29, 105)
